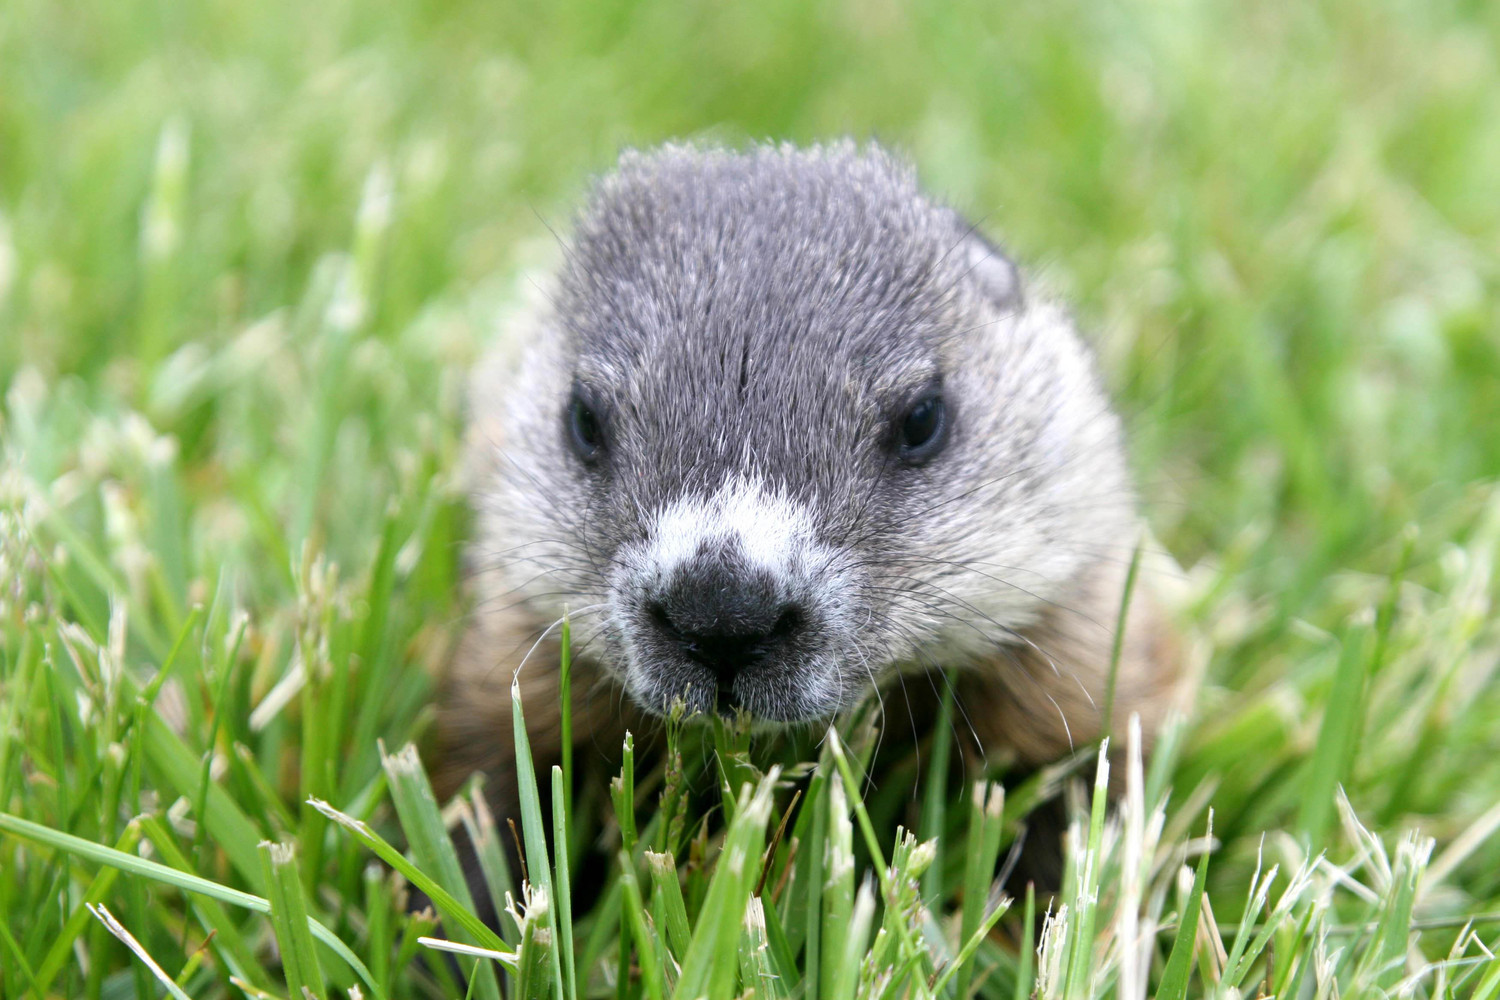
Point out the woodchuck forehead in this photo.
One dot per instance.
(828, 250)
(765, 312)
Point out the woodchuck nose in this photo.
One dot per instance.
(785, 430)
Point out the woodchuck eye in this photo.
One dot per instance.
(585, 429)
(923, 430)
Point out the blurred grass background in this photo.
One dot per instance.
(1281, 220)
(246, 251)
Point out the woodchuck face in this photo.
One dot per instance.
(784, 427)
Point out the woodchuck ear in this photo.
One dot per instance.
(992, 271)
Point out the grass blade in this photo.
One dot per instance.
(1337, 736)
(908, 943)
(535, 837)
(640, 932)
(935, 798)
(705, 972)
(986, 822)
(227, 939)
(484, 837)
(564, 887)
(61, 949)
(442, 900)
(118, 930)
(132, 864)
(758, 974)
(1174, 978)
(838, 887)
(846, 968)
(1025, 972)
(1081, 966)
(299, 958)
(667, 890)
(536, 957)
(228, 827)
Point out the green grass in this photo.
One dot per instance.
(248, 250)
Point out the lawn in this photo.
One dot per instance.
(247, 252)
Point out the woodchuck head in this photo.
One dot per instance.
(787, 426)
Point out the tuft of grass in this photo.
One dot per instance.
(248, 252)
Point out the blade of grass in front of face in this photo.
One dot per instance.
(565, 710)
(758, 975)
(299, 958)
(563, 882)
(622, 789)
(1025, 974)
(888, 889)
(838, 887)
(534, 832)
(732, 758)
(534, 960)
(935, 800)
(986, 823)
(673, 798)
(847, 961)
(1081, 966)
(1174, 978)
(1137, 846)
(705, 971)
(800, 903)
(667, 891)
(650, 959)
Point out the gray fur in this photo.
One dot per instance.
(750, 324)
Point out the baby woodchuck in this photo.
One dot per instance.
(785, 430)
